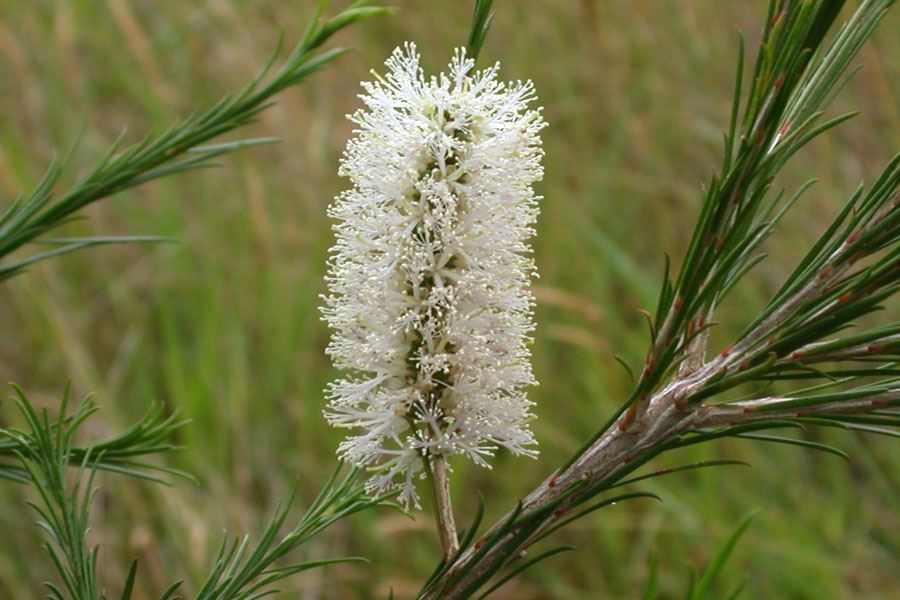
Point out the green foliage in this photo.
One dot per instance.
(793, 78)
(701, 587)
(45, 452)
(481, 24)
(240, 573)
(678, 400)
(181, 148)
(122, 453)
(63, 510)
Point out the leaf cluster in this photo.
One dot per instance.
(183, 147)
(45, 451)
(793, 78)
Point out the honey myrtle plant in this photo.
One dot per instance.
(431, 314)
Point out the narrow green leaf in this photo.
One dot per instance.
(704, 585)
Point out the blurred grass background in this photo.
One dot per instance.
(224, 324)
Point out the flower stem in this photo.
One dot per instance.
(443, 507)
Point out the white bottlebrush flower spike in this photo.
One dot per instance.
(428, 279)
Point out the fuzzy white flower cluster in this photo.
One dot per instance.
(428, 301)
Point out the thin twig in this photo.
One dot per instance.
(443, 513)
